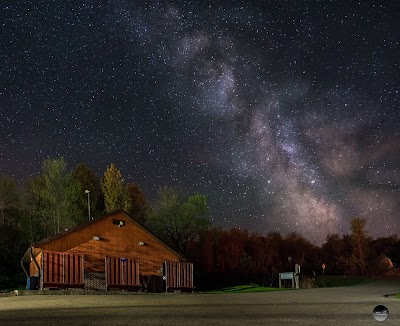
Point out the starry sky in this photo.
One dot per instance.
(284, 113)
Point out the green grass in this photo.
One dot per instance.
(249, 288)
(326, 281)
(337, 281)
(10, 283)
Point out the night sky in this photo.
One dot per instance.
(284, 113)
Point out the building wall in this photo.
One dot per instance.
(114, 241)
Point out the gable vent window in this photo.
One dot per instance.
(119, 223)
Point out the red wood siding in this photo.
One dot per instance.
(179, 275)
(62, 269)
(122, 272)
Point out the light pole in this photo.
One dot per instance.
(88, 201)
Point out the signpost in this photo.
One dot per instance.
(294, 276)
(297, 275)
(286, 276)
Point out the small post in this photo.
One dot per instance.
(105, 263)
(122, 269)
(191, 270)
(42, 272)
(137, 269)
(165, 276)
(83, 270)
(292, 280)
(63, 263)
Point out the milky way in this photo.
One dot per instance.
(286, 115)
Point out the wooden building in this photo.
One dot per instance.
(114, 251)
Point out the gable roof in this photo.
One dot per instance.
(114, 213)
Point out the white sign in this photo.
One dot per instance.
(287, 276)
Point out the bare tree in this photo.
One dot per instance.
(359, 241)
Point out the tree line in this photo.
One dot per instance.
(236, 255)
(57, 199)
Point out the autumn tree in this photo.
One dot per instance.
(275, 241)
(114, 190)
(56, 194)
(258, 248)
(177, 220)
(387, 246)
(232, 251)
(138, 206)
(205, 253)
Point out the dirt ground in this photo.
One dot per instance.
(330, 306)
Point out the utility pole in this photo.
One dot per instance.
(88, 201)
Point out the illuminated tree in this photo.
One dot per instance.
(114, 191)
(56, 195)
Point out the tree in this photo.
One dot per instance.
(34, 205)
(300, 250)
(13, 231)
(88, 180)
(359, 242)
(114, 190)
(56, 195)
(178, 221)
(275, 242)
(9, 195)
(336, 252)
(138, 206)
(232, 250)
(13, 244)
(333, 246)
